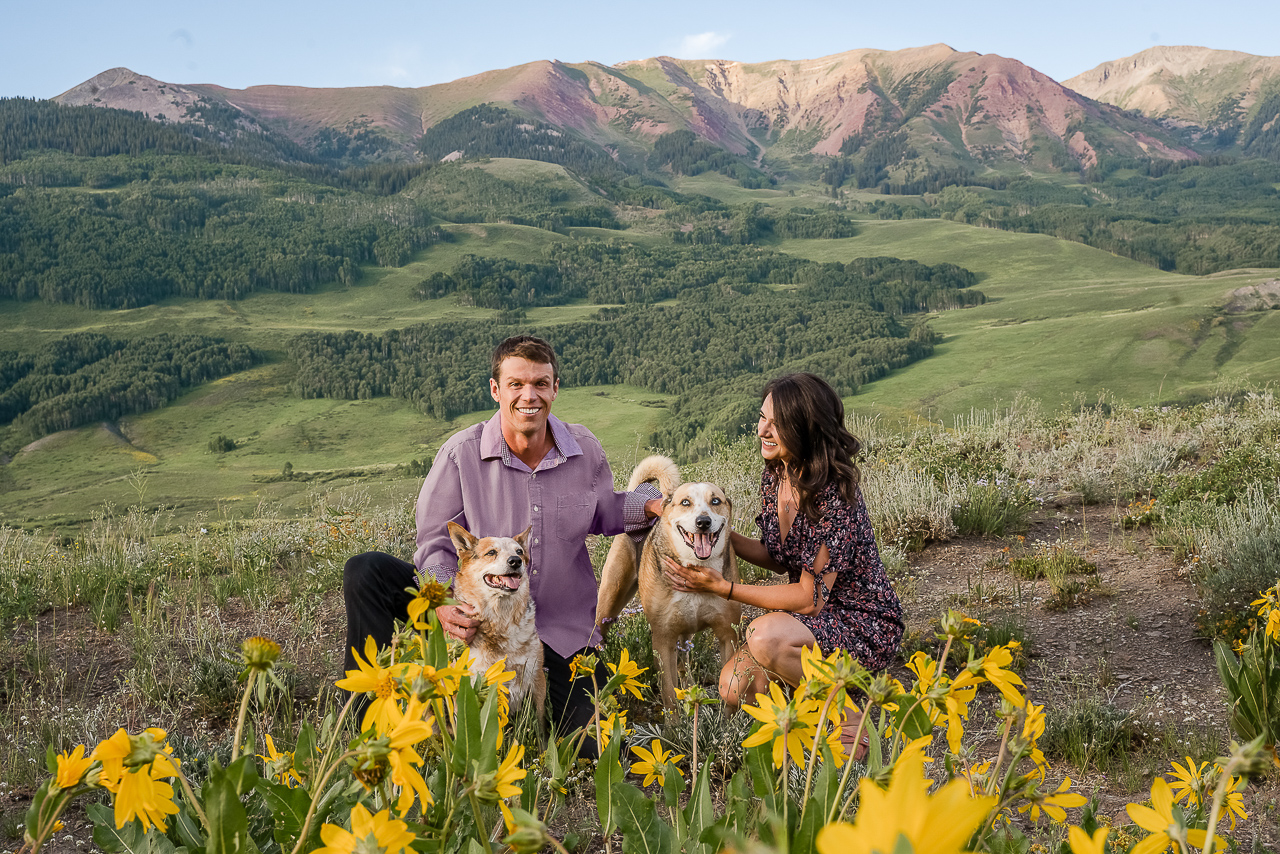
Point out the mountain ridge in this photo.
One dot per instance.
(976, 110)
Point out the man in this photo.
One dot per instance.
(522, 467)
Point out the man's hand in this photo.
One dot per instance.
(458, 621)
(653, 508)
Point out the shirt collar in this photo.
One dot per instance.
(494, 446)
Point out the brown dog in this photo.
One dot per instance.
(493, 576)
(693, 529)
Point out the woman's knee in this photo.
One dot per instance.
(767, 635)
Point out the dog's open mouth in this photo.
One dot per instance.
(504, 582)
(701, 543)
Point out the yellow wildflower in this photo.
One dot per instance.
(607, 725)
(993, 668)
(1082, 843)
(629, 670)
(73, 769)
(509, 772)
(1053, 804)
(280, 764)
(655, 762)
(1234, 803)
(403, 759)
(260, 654)
(789, 724)
(1159, 821)
(431, 595)
(1188, 783)
(371, 678)
(937, 824)
(368, 833)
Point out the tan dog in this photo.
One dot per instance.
(693, 529)
(493, 576)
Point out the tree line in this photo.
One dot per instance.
(617, 272)
(722, 335)
(86, 376)
(487, 130)
(145, 243)
(686, 153)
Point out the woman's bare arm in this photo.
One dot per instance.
(754, 551)
(796, 597)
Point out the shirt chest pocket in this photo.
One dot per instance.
(574, 513)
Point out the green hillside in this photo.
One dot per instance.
(686, 291)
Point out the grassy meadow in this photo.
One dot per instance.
(1063, 321)
(137, 623)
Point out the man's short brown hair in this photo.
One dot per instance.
(526, 347)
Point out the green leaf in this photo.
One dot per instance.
(911, 719)
(763, 776)
(699, 813)
(288, 812)
(130, 839)
(466, 746)
(39, 804)
(608, 774)
(672, 785)
(187, 828)
(228, 821)
(826, 781)
(642, 830)
(304, 753)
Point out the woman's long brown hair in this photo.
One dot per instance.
(809, 418)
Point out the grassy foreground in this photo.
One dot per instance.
(128, 626)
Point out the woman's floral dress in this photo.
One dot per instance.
(862, 614)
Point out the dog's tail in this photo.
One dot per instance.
(657, 468)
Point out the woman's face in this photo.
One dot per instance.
(771, 447)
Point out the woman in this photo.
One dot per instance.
(814, 527)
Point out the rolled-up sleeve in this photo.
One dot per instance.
(439, 502)
(633, 515)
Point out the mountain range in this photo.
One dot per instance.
(944, 108)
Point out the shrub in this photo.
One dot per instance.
(1239, 555)
(992, 508)
(221, 444)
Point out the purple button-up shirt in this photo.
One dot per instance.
(477, 482)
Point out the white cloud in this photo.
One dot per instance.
(701, 46)
(399, 64)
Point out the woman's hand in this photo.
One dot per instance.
(694, 579)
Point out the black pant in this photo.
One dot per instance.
(374, 591)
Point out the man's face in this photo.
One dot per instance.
(524, 391)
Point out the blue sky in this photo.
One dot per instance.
(54, 45)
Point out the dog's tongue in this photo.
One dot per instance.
(702, 546)
(511, 582)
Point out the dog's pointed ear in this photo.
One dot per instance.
(463, 540)
(523, 537)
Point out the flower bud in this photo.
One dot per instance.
(260, 654)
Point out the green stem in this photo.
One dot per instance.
(244, 710)
(45, 829)
(813, 754)
(195, 804)
(1219, 795)
(785, 788)
(848, 771)
(475, 811)
(337, 727)
(311, 807)
(694, 749)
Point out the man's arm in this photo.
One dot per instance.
(439, 502)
